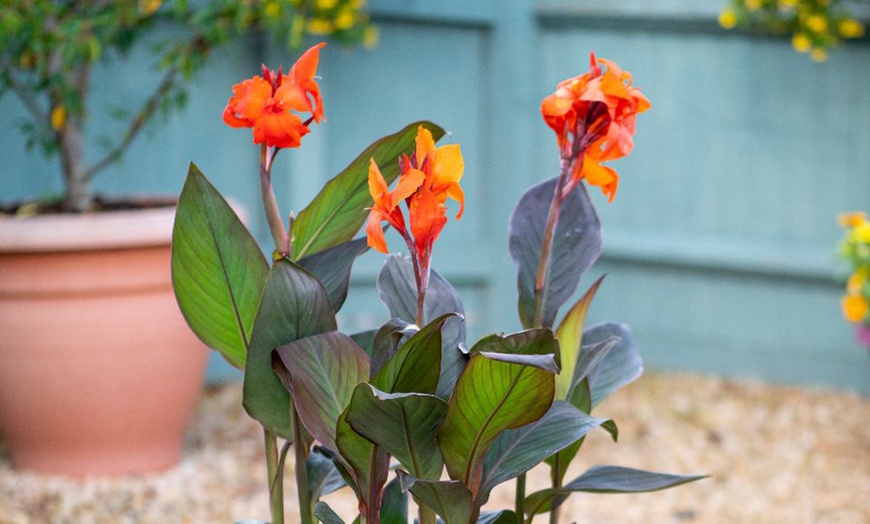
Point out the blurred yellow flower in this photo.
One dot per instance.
(851, 28)
(861, 233)
(856, 280)
(149, 7)
(58, 117)
(272, 10)
(801, 42)
(325, 5)
(728, 19)
(786, 4)
(819, 55)
(345, 19)
(319, 26)
(371, 37)
(753, 5)
(816, 23)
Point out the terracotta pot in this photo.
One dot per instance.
(99, 373)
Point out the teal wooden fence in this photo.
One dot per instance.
(719, 247)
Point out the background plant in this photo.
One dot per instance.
(49, 49)
(815, 26)
(854, 250)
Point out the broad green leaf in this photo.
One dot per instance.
(403, 424)
(490, 396)
(387, 339)
(365, 340)
(591, 355)
(576, 246)
(369, 464)
(394, 504)
(606, 479)
(570, 335)
(398, 291)
(218, 272)
(451, 500)
(323, 476)
(620, 366)
(332, 267)
(518, 450)
(498, 517)
(325, 514)
(321, 372)
(337, 212)
(416, 365)
(294, 306)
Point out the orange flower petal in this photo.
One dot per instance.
(374, 233)
(279, 130)
(378, 188)
(602, 176)
(425, 145)
(427, 218)
(408, 184)
(248, 102)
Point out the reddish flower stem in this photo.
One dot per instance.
(270, 204)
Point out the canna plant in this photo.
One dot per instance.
(409, 408)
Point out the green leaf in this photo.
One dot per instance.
(490, 396)
(365, 340)
(606, 479)
(218, 272)
(337, 212)
(332, 267)
(570, 335)
(386, 341)
(591, 355)
(369, 464)
(403, 424)
(451, 500)
(518, 450)
(576, 246)
(621, 365)
(294, 306)
(416, 365)
(321, 372)
(323, 476)
(498, 517)
(398, 291)
(325, 514)
(394, 504)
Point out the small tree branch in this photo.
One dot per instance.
(26, 96)
(137, 123)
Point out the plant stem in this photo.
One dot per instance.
(275, 477)
(547, 247)
(270, 204)
(556, 475)
(301, 468)
(520, 499)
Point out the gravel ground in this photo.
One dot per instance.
(774, 454)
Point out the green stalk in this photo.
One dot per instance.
(275, 477)
(557, 484)
(520, 499)
(305, 507)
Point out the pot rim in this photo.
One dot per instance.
(80, 232)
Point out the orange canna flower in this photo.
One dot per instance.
(593, 116)
(428, 178)
(267, 103)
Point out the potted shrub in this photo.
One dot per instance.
(99, 373)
